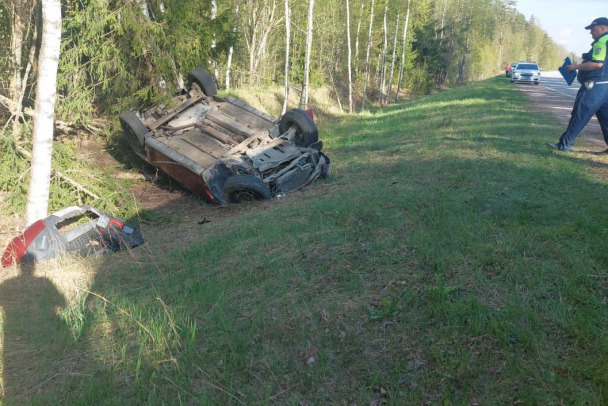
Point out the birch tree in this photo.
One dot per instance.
(231, 50)
(23, 31)
(144, 9)
(357, 35)
(40, 176)
(369, 47)
(260, 21)
(287, 38)
(403, 45)
(213, 62)
(304, 98)
(390, 76)
(383, 56)
(350, 74)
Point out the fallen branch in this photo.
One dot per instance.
(63, 177)
(11, 106)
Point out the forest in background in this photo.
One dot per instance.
(116, 54)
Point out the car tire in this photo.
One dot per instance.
(134, 131)
(242, 188)
(204, 81)
(306, 129)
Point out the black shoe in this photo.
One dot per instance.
(557, 147)
(604, 152)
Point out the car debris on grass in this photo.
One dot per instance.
(80, 230)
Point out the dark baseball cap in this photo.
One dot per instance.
(597, 21)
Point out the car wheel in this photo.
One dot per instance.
(306, 129)
(134, 131)
(242, 188)
(204, 81)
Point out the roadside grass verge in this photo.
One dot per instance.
(451, 259)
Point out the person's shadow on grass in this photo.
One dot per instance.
(34, 337)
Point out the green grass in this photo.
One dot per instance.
(451, 259)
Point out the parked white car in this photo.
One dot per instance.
(526, 72)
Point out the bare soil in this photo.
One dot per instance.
(180, 216)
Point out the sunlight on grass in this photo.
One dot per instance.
(450, 259)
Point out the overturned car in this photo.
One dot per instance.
(225, 150)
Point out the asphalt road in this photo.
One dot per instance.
(555, 96)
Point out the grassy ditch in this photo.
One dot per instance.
(450, 260)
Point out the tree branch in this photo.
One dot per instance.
(63, 177)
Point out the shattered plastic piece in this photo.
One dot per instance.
(80, 230)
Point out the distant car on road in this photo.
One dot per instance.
(526, 72)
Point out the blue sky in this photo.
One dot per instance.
(565, 20)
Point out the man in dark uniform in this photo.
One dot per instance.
(592, 97)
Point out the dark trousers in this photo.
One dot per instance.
(586, 104)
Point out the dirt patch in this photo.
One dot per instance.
(174, 216)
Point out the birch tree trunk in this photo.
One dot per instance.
(287, 39)
(407, 20)
(17, 32)
(350, 74)
(18, 112)
(261, 22)
(20, 35)
(463, 61)
(213, 62)
(144, 9)
(304, 98)
(46, 92)
(357, 36)
(369, 46)
(392, 71)
(383, 57)
(16, 52)
(442, 27)
(231, 50)
(499, 62)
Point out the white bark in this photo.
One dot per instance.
(304, 98)
(231, 51)
(407, 20)
(357, 35)
(46, 93)
(442, 27)
(287, 39)
(144, 8)
(383, 56)
(212, 62)
(390, 76)
(261, 21)
(22, 32)
(17, 29)
(369, 46)
(350, 74)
